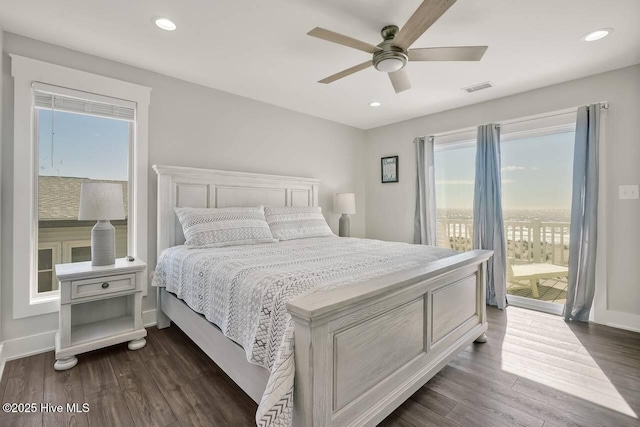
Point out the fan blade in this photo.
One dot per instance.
(331, 36)
(423, 18)
(400, 80)
(346, 72)
(458, 53)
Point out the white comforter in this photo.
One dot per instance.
(244, 291)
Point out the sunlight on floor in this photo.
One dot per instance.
(582, 378)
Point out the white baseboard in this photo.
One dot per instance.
(43, 342)
(621, 320)
(149, 318)
(28, 346)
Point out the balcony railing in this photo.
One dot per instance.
(527, 241)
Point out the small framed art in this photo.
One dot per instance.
(389, 169)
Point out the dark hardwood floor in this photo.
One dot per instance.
(535, 370)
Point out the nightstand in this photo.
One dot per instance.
(99, 306)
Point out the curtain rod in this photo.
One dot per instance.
(604, 105)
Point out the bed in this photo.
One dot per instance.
(349, 351)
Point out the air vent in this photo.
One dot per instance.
(477, 87)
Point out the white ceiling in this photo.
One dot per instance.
(259, 48)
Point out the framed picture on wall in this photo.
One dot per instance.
(389, 169)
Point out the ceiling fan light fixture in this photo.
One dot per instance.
(390, 65)
(164, 23)
(597, 34)
(389, 59)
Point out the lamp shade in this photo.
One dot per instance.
(345, 203)
(101, 201)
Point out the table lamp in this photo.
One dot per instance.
(102, 202)
(345, 204)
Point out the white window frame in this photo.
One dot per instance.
(26, 72)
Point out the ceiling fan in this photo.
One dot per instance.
(392, 54)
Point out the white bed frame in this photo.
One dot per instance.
(360, 350)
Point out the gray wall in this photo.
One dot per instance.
(390, 206)
(191, 125)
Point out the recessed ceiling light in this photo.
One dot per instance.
(597, 34)
(375, 104)
(164, 23)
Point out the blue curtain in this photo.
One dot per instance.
(584, 215)
(488, 222)
(425, 224)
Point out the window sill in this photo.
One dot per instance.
(43, 299)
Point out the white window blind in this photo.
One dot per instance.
(527, 127)
(72, 101)
(552, 124)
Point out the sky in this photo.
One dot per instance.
(83, 146)
(536, 174)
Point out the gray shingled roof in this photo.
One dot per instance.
(59, 197)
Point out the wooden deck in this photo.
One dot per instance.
(551, 290)
(535, 370)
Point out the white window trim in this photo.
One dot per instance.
(25, 72)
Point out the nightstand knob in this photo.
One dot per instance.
(105, 285)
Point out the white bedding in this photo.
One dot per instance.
(244, 291)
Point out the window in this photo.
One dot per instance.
(77, 140)
(70, 126)
(454, 166)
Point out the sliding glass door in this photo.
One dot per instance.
(536, 200)
(537, 168)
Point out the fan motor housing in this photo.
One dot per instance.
(388, 51)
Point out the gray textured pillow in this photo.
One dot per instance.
(297, 223)
(218, 227)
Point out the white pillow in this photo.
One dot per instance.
(297, 223)
(218, 227)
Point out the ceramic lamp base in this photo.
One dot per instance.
(103, 244)
(344, 226)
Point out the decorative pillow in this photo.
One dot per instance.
(217, 227)
(297, 223)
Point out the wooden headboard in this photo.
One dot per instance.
(207, 188)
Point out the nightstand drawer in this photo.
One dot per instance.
(102, 286)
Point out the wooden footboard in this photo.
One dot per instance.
(362, 350)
